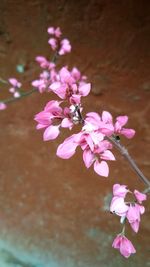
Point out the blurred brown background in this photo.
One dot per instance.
(53, 213)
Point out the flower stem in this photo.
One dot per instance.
(12, 99)
(132, 163)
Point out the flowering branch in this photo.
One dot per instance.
(96, 137)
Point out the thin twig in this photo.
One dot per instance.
(132, 163)
(12, 99)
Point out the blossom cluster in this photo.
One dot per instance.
(130, 212)
(14, 90)
(49, 74)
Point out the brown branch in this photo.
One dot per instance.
(132, 163)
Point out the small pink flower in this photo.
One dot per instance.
(2, 106)
(53, 43)
(16, 85)
(120, 190)
(51, 30)
(14, 82)
(133, 215)
(118, 206)
(52, 118)
(119, 129)
(140, 196)
(17, 94)
(57, 32)
(124, 245)
(65, 47)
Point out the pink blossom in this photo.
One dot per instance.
(16, 85)
(105, 124)
(2, 106)
(66, 86)
(53, 43)
(52, 118)
(119, 129)
(118, 206)
(53, 31)
(120, 190)
(124, 245)
(65, 47)
(133, 215)
(57, 32)
(14, 82)
(140, 196)
(46, 77)
(17, 94)
(95, 150)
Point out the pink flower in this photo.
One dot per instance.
(124, 245)
(16, 85)
(95, 150)
(65, 47)
(133, 215)
(67, 86)
(2, 106)
(51, 118)
(119, 129)
(14, 82)
(118, 206)
(46, 77)
(106, 126)
(120, 190)
(17, 94)
(53, 31)
(53, 43)
(57, 32)
(140, 196)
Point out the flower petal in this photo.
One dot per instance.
(51, 133)
(101, 168)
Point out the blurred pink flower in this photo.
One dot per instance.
(140, 197)
(124, 245)
(133, 215)
(2, 106)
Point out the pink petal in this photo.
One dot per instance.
(51, 133)
(107, 155)
(126, 247)
(118, 206)
(101, 168)
(120, 190)
(107, 117)
(59, 89)
(122, 120)
(88, 157)
(58, 32)
(135, 226)
(140, 196)
(85, 89)
(116, 242)
(67, 149)
(67, 123)
(13, 81)
(129, 133)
